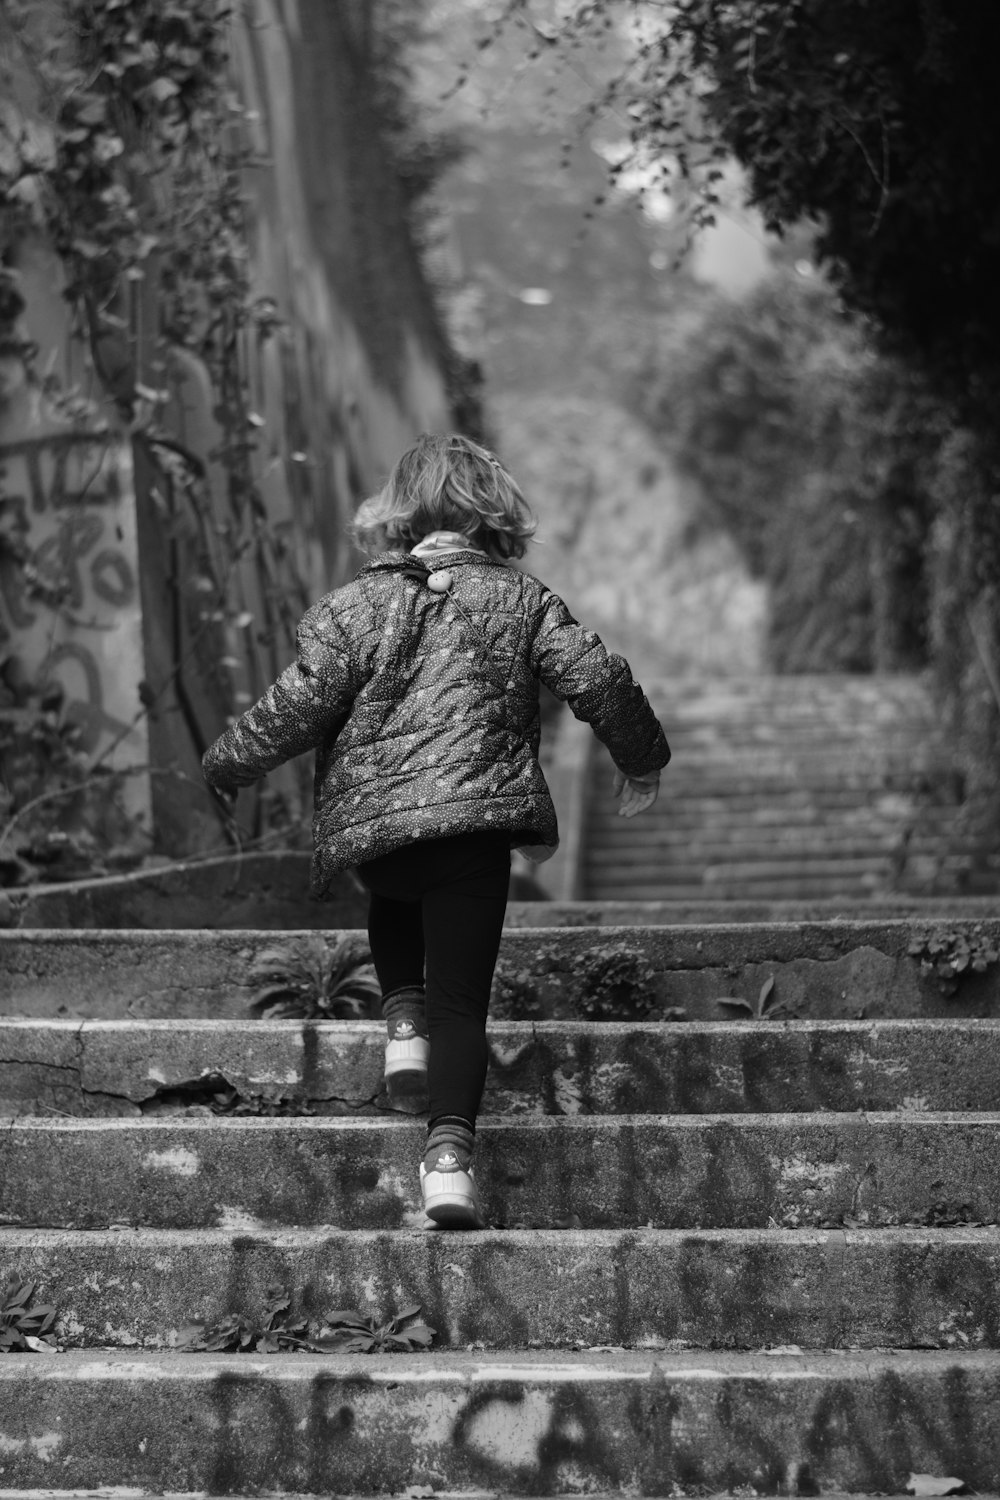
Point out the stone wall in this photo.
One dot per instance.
(351, 369)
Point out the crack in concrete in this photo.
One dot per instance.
(36, 1062)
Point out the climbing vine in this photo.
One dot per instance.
(130, 158)
(126, 146)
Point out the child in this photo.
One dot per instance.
(417, 686)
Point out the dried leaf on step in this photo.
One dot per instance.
(934, 1484)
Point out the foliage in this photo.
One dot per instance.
(59, 817)
(878, 125)
(314, 979)
(614, 985)
(760, 1009)
(815, 453)
(954, 954)
(24, 1323)
(610, 982)
(356, 1334)
(516, 994)
(339, 1332)
(125, 145)
(129, 162)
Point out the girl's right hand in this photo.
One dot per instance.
(635, 793)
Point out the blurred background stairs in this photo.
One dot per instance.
(790, 788)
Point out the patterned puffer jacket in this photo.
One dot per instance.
(424, 717)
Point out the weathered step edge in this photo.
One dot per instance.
(639, 1424)
(646, 1289)
(833, 969)
(679, 1171)
(129, 1068)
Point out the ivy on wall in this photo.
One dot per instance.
(128, 157)
(128, 149)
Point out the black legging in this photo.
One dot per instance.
(435, 918)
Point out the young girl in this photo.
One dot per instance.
(417, 686)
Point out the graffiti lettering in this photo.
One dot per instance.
(112, 578)
(47, 468)
(58, 562)
(86, 709)
(69, 563)
(12, 583)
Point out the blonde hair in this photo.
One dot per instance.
(447, 484)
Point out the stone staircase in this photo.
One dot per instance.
(805, 788)
(725, 1253)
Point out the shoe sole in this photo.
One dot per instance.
(451, 1204)
(408, 1090)
(453, 1213)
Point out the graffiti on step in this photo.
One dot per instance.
(69, 591)
(661, 1430)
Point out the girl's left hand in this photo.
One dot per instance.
(635, 793)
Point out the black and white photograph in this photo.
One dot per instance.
(499, 749)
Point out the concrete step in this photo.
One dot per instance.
(645, 863)
(858, 764)
(503, 1289)
(821, 970)
(708, 845)
(808, 767)
(848, 873)
(787, 889)
(634, 1423)
(782, 801)
(794, 784)
(684, 816)
(839, 873)
(127, 1068)
(678, 1171)
(926, 910)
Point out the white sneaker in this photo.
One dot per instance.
(406, 1066)
(407, 1052)
(449, 1193)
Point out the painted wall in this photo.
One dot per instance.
(350, 374)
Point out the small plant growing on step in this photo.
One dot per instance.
(236, 1335)
(312, 979)
(951, 955)
(760, 1009)
(516, 995)
(355, 1334)
(615, 985)
(343, 1332)
(24, 1323)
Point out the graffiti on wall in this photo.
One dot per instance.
(70, 608)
